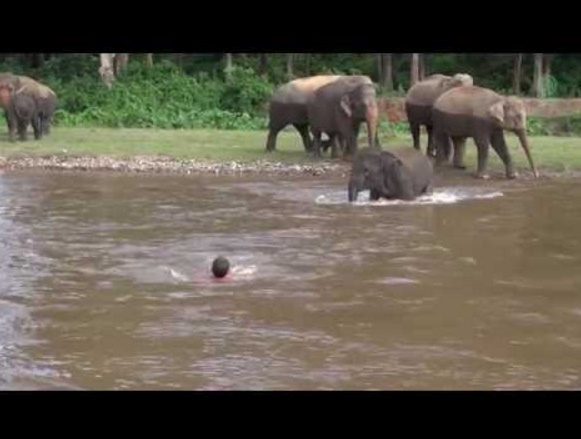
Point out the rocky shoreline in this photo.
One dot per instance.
(157, 165)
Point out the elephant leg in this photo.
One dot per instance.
(441, 145)
(374, 195)
(459, 150)
(303, 130)
(430, 151)
(316, 150)
(352, 145)
(271, 140)
(482, 144)
(499, 145)
(45, 125)
(415, 130)
(342, 141)
(11, 123)
(334, 140)
(37, 127)
(22, 125)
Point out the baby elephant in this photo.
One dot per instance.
(400, 173)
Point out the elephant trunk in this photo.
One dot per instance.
(353, 191)
(371, 117)
(522, 137)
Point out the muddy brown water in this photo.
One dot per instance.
(105, 285)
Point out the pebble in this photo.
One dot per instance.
(142, 164)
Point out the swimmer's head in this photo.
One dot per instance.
(220, 267)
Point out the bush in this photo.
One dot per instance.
(163, 97)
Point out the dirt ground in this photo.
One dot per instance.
(393, 108)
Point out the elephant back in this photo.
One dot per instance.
(34, 87)
(299, 90)
(337, 89)
(468, 101)
(312, 83)
(418, 166)
(427, 91)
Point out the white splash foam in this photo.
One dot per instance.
(244, 270)
(178, 276)
(442, 196)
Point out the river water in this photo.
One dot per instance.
(105, 284)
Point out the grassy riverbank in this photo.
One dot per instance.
(554, 154)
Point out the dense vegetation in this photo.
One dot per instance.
(195, 91)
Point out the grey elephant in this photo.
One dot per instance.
(420, 99)
(288, 106)
(482, 114)
(45, 99)
(339, 108)
(399, 173)
(20, 110)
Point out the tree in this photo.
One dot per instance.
(517, 73)
(415, 68)
(106, 69)
(289, 65)
(386, 70)
(149, 59)
(422, 67)
(120, 62)
(538, 89)
(228, 67)
(262, 63)
(36, 60)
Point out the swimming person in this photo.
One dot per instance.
(220, 267)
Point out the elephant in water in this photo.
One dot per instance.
(399, 173)
(420, 99)
(339, 108)
(482, 114)
(288, 106)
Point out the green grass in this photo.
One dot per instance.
(550, 153)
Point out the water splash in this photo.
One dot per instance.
(440, 196)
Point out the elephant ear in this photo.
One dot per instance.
(398, 181)
(496, 112)
(346, 105)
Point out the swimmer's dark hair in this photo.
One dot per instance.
(220, 266)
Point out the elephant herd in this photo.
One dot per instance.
(451, 108)
(332, 104)
(26, 102)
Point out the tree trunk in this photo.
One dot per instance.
(262, 63)
(422, 62)
(308, 63)
(547, 65)
(37, 60)
(538, 90)
(415, 69)
(106, 70)
(289, 65)
(149, 59)
(386, 71)
(179, 59)
(517, 73)
(120, 62)
(228, 67)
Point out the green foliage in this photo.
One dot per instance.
(163, 97)
(243, 89)
(555, 126)
(551, 86)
